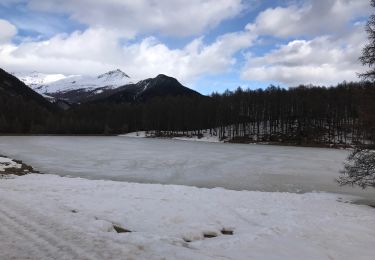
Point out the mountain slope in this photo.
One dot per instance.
(11, 87)
(144, 90)
(109, 80)
(36, 80)
(21, 109)
(75, 88)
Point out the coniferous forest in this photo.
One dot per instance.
(302, 115)
(305, 115)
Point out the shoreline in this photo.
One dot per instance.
(19, 168)
(195, 138)
(215, 139)
(10, 166)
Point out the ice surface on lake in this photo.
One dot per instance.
(232, 166)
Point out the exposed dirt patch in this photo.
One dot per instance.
(226, 231)
(209, 234)
(119, 229)
(16, 167)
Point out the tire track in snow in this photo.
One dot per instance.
(12, 247)
(21, 226)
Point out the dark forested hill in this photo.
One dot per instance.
(145, 90)
(12, 87)
(21, 109)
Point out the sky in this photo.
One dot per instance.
(208, 45)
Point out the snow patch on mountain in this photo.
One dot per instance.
(36, 79)
(47, 85)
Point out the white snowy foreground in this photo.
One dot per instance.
(52, 217)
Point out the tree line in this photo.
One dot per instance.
(302, 115)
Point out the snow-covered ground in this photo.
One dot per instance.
(209, 139)
(52, 217)
(205, 137)
(138, 134)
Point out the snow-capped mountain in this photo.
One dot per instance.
(113, 86)
(160, 86)
(36, 79)
(109, 80)
(58, 83)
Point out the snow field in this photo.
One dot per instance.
(65, 218)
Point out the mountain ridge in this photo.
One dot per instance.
(83, 89)
(144, 90)
(111, 79)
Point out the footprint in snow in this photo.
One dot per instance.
(209, 234)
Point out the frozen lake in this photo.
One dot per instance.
(232, 166)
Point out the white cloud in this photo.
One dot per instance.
(322, 60)
(7, 31)
(171, 17)
(329, 56)
(312, 17)
(193, 60)
(93, 44)
(97, 50)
